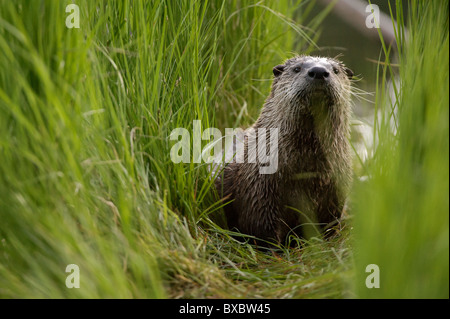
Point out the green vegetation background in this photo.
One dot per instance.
(86, 177)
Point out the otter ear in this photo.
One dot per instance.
(349, 73)
(278, 70)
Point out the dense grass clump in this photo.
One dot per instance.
(402, 212)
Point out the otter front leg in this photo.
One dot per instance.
(259, 208)
(330, 205)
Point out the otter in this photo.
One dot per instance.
(309, 104)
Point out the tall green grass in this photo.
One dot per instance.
(402, 212)
(85, 174)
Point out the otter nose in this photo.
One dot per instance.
(318, 72)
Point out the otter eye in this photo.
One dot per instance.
(297, 69)
(335, 70)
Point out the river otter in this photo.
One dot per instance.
(309, 103)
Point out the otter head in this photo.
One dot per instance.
(305, 82)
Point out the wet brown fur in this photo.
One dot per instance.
(314, 156)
